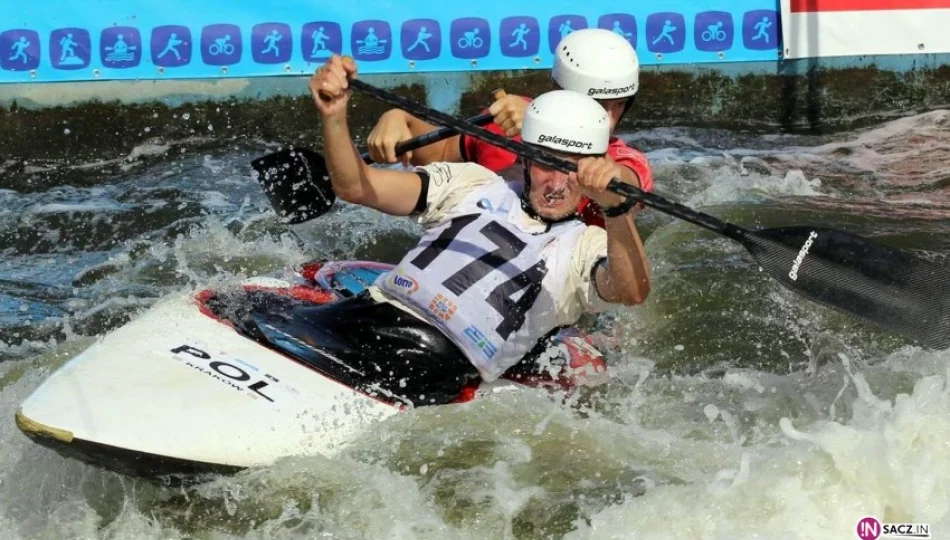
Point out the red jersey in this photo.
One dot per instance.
(498, 159)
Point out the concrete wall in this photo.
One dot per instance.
(57, 122)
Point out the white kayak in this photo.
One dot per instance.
(180, 391)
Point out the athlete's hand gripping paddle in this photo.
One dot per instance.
(297, 183)
(892, 288)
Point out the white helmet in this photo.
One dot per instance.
(567, 122)
(597, 63)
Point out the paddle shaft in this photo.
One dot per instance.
(880, 284)
(431, 137)
(297, 183)
(521, 149)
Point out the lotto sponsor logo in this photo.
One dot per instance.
(400, 281)
(567, 143)
(442, 307)
(481, 342)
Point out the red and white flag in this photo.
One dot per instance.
(813, 28)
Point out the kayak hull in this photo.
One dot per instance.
(122, 460)
(179, 384)
(179, 392)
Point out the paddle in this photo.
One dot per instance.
(297, 184)
(884, 285)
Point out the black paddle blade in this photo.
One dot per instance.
(887, 286)
(296, 183)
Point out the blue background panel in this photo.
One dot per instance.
(55, 40)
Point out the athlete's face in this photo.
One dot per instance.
(614, 108)
(554, 194)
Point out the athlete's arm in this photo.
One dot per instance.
(629, 175)
(625, 279)
(629, 158)
(446, 150)
(395, 126)
(392, 192)
(508, 113)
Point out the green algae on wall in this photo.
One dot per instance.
(801, 96)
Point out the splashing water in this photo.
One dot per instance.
(735, 411)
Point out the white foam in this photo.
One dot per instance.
(742, 456)
(147, 150)
(707, 178)
(912, 151)
(815, 480)
(86, 206)
(739, 455)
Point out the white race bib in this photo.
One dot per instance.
(488, 283)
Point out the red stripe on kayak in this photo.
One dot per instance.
(806, 6)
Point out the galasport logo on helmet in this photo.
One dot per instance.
(569, 143)
(609, 91)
